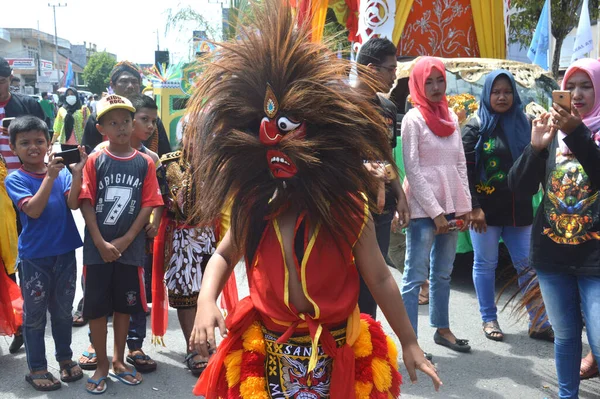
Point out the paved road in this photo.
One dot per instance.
(519, 367)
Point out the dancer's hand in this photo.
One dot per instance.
(203, 335)
(414, 360)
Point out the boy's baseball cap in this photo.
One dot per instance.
(5, 69)
(112, 102)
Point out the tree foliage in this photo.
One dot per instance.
(97, 72)
(565, 17)
(176, 19)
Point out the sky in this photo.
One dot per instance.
(126, 28)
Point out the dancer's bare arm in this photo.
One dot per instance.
(208, 316)
(382, 285)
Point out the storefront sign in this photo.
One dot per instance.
(21, 63)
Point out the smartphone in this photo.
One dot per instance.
(67, 147)
(69, 156)
(390, 172)
(6, 122)
(562, 98)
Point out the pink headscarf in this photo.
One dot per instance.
(437, 116)
(592, 118)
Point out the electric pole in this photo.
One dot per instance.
(55, 35)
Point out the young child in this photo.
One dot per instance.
(144, 125)
(47, 267)
(118, 194)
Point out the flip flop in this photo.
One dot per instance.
(89, 366)
(141, 367)
(30, 378)
(97, 382)
(69, 369)
(121, 376)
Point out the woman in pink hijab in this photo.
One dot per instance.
(579, 80)
(565, 238)
(437, 190)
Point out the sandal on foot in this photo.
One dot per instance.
(197, 367)
(544, 335)
(31, 378)
(79, 320)
(423, 299)
(461, 345)
(141, 367)
(69, 369)
(492, 330)
(121, 376)
(97, 382)
(90, 365)
(588, 369)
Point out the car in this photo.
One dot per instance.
(465, 78)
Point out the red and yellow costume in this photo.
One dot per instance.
(361, 364)
(275, 126)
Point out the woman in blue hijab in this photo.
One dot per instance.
(493, 141)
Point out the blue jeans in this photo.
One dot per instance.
(137, 331)
(47, 284)
(485, 247)
(424, 248)
(566, 296)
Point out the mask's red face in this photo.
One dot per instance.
(274, 128)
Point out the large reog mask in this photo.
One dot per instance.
(274, 122)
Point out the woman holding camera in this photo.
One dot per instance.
(565, 246)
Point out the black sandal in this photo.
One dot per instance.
(78, 319)
(69, 369)
(492, 327)
(30, 378)
(17, 342)
(461, 345)
(192, 364)
(141, 367)
(544, 335)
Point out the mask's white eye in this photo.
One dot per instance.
(286, 125)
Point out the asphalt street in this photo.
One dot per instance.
(519, 367)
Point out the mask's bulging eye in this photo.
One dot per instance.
(286, 125)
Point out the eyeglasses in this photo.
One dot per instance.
(389, 69)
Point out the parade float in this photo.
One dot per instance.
(470, 36)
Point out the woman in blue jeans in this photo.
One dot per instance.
(565, 239)
(437, 190)
(492, 141)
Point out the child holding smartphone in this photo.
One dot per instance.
(43, 195)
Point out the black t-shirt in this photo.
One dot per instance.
(389, 112)
(565, 236)
(92, 137)
(20, 105)
(502, 206)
